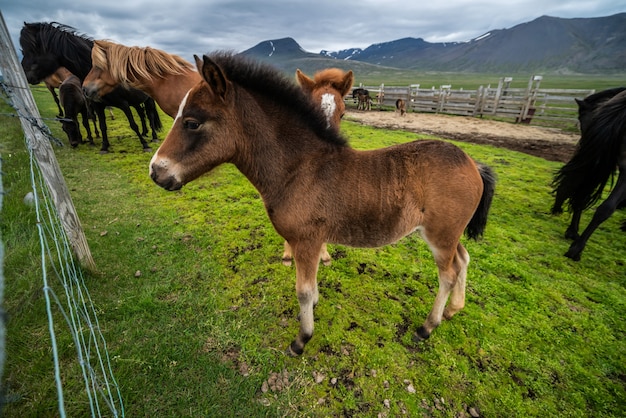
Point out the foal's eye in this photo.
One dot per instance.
(191, 124)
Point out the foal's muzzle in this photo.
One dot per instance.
(164, 179)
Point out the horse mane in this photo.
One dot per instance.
(266, 80)
(126, 64)
(61, 40)
(583, 178)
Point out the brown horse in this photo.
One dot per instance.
(164, 77)
(316, 188)
(401, 106)
(327, 88)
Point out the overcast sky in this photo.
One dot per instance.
(187, 27)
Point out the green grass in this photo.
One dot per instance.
(207, 321)
(471, 81)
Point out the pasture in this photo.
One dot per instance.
(197, 309)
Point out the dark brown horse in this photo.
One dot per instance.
(316, 188)
(74, 103)
(365, 101)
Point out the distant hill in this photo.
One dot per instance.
(546, 44)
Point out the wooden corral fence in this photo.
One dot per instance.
(550, 107)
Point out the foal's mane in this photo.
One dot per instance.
(125, 63)
(265, 80)
(331, 76)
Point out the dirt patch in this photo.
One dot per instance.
(549, 143)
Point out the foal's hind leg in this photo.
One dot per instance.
(457, 296)
(452, 264)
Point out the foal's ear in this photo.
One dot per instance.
(348, 80)
(213, 75)
(305, 81)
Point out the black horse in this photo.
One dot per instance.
(48, 46)
(601, 149)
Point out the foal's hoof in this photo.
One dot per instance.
(147, 149)
(287, 262)
(327, 262)
(292, 351)
(421, 335)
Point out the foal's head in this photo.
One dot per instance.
(328, 88)
(238, 103)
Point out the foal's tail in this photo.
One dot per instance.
(477, 224)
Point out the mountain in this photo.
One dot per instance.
(287, 55)
(546, 44)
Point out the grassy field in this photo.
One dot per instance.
(202, 330)
(471, 81)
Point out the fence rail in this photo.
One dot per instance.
(532, 104)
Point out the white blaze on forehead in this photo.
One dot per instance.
(157, 160)
(328, 107)
(182, 105)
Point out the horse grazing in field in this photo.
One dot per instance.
(48, 46)
(600, 150)
(74, 103)
(318, 189)
(401, 106)
(164, 77)
(328, 88)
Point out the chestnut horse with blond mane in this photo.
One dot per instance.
(318, 189)
(164, 77)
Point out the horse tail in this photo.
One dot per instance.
(583, 178)
(477, 224)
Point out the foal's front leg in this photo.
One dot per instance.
(288, 255)
(306, 257)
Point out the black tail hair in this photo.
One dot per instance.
(477, 224)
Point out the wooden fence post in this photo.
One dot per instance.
(28, 112)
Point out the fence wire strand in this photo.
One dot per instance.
(74, 303)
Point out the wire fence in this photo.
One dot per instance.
(67, 297)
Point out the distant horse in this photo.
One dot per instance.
(328, 88)
(316, 188)
(74, 103)
(164, 77)
(365, 102)
(357, 91)
(401, 106)
(380, 98)
(600, 150)
(48, 46)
